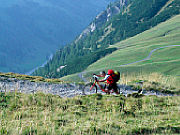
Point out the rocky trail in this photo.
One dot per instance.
(63, 89)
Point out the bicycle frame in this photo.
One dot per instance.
(96, 82)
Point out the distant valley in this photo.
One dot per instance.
(31, 30)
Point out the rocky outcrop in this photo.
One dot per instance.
(103, 17)
(26, 86)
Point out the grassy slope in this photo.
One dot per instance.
(138, 47)
(165, 60)
(29, 78)
(95, 114)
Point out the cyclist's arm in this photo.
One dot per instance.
(99, 75)
(106, 77)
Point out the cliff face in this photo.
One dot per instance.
(25, 86)
(104, 17)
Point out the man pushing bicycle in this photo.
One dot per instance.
(111, 78)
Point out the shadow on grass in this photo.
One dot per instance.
(158, 130)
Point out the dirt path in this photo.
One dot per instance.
(149, 56)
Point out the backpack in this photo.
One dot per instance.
(116, 76)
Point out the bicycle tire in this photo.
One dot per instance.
(86, 89)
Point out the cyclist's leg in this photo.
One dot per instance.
(115, 88)
(109, 88)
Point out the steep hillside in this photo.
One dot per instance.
(127, 58)
(133, 18)
(164, 60)
(31, 30)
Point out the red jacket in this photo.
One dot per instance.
(110, 79)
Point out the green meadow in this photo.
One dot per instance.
(23, 114)
(138, 48)
(164, 61)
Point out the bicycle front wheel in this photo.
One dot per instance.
(86, 89)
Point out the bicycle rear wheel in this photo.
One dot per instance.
(86, 89)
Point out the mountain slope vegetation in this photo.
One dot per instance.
(160, 72)
(163, 60)
(139, 46)
(134, 18)
(31, 30)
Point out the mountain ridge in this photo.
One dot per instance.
(137, 17)
(104, 17)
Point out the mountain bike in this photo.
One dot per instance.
(92, 87)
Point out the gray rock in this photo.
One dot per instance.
(26, 86)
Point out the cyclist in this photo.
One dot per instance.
(109, 79)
